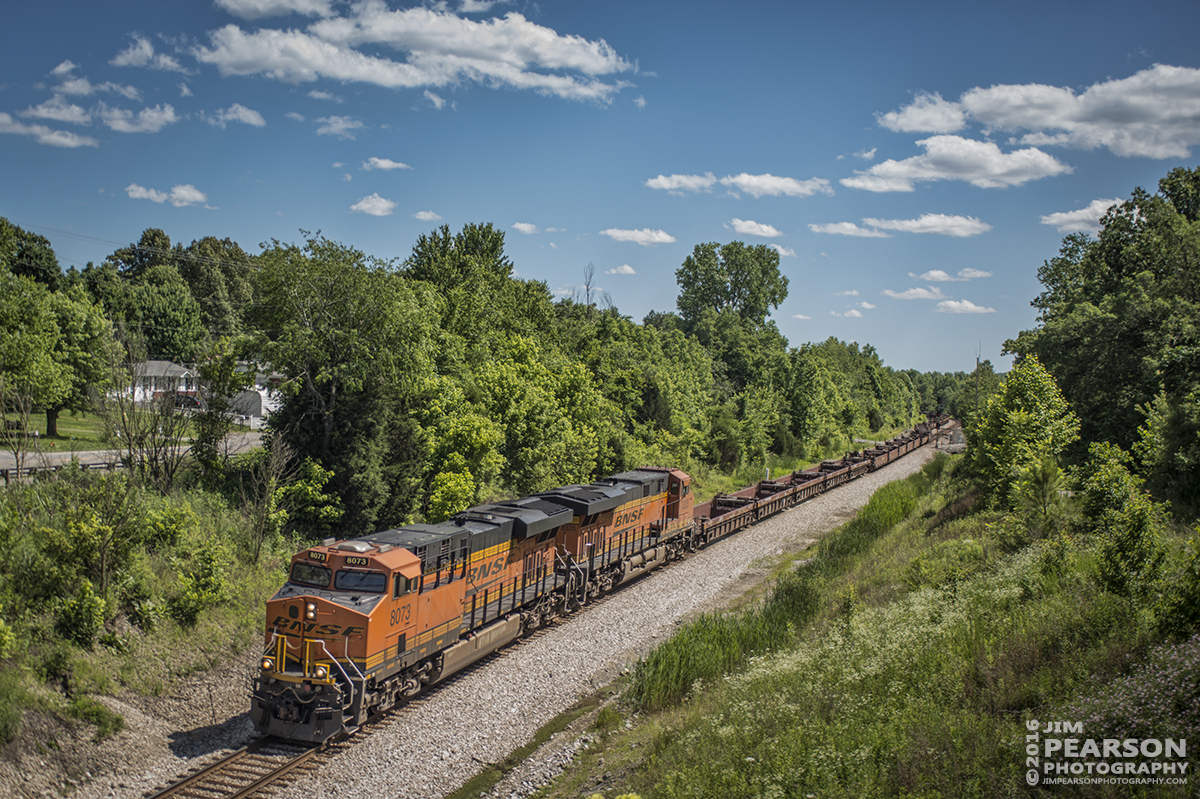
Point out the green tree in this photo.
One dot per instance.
(84, 350)
(730, 277)
(355, 346)
(1027, 421)
(28, 254)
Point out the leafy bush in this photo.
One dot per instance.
(1177, 610)
(80, 618)
(106, 721)
(202, 583)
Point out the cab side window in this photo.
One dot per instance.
(402, 586)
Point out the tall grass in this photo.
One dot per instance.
(716, 644)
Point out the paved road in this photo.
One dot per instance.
(42, 457)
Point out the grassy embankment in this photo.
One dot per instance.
(903, 659)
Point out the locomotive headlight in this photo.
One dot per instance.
(268, 664)
(321, 672)
(310, 611)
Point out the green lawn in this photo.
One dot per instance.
(76, 432)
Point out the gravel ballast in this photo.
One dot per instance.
(472, 722)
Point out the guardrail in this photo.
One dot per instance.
(29, 471)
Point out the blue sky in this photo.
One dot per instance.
(913, 163)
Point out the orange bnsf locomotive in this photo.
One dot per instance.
(364, 624)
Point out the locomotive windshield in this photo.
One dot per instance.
(308, 574)
(367, 582)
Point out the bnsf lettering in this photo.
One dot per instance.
(286, 625)
(483, 570)
(628, 517)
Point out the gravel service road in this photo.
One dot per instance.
(489, 712)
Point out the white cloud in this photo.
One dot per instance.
(623, 269)
(63, 69)
(347, 177)
(1151, 114)
(295, 116)
(931, 293)
(929, 113)
(853, 314)
(181, 195)
(141, 54)
(375, 162)
(438, 101)
(137, 192)
(439, 49)
(427, 216)
(784, 252)
(867, 155)
(58, 109)
(746, 227)
(148, 120)
(772, 186)
(754, 185)
(866, 305)
(677, 184)
(185, 90)
(1085, 220)
(848, 229)
(374, 205)
(940, 224)
(645, 237)
(940, 276)
(341, 127)
(45, 135)
(640, 101)
(850, 293)
(955, 158)
(317, 94)
(962, 306)
(83, 87)
(256, 9)
(526, 228)
(800, 316)
(237, 113)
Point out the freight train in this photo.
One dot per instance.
(365, 624)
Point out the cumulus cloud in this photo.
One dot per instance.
(181, 195)
(784, 252)
(148, 120)
(58, 109)
(850, 293)
(374, 162)
(766, 185)
(771, 186)
(970, 273)
(853, 314)
(929, 113)
(848, 229)
(1084, 220)
(317, 94)
(45, 135)
(1153, 113)
(374, 205)
(526, 228)
(294, 116)
(623, 269)
(867, 155)
(257, 9)
(427, 216)
(645, 236)
(141, 54)
(979, 163)
(746, 227)
(940, 276)
(962, 306)
(640, 101)
(940, 224)
(342, 127)
(678, 184)
(237, 113)
(438, 49)
(800, 316)
(931, 293)
(866, 305)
